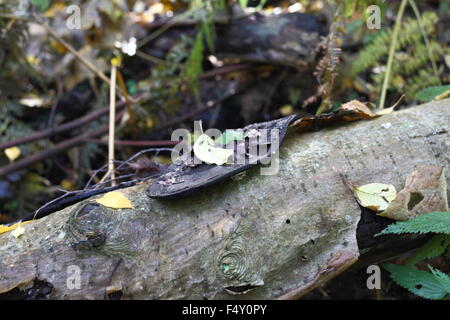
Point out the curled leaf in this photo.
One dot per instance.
(206, 151)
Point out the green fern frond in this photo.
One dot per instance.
(379, 47)
(425, 78)
(414, 68)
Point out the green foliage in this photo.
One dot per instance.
(412, 69)
(435, 222)
(435, 247)
(431, 93)
(244, 4)
(228, 136)
(206, 11)
(349, 7)
(41, 5)
(194, 64)
(444, 8)
(379, 47)
(165, 82)
(434, 285)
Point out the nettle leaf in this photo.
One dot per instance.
(430, 93)
(433, 248)
(424, 284)
(441, 277)
(435, 222)
(41, 5)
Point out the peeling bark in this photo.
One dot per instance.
(279, 235)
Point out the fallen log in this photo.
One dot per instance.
(263, 236)
(288, 39)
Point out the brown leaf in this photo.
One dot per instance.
(425, 191)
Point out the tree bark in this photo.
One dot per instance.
(279, 235)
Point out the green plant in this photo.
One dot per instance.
(205, 11)
(431, 93)
(415, 65)
(244, 4)
(327, 68)
(429, 285)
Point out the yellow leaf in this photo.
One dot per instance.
(375, 196)
(18, 231)
(116, 61)
(67, 184)
(12, 153)
(286, 110)
(115, 200)
(205, 150)
(4, 229)
(33, 60)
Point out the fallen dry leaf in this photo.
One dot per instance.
(18, 231)
(357, 110)
(375, 196)
(4, 229)
(425, 191)
(115, 200)
(350, 111)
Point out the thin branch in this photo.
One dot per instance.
(387, 75)
(72, 50)
(112, 123)
(30, 160)
(203, 107)
(150, 58)
(134, 143)
(63, 127)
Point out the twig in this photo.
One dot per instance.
(203, 107)
(134, 143)
(150, 58)
(72, 50)
(387, 75)
(163, 28)
(28, 161)
(125, 94)
(225, 69)
(112, 124)
(103, 168)
(64, 127)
